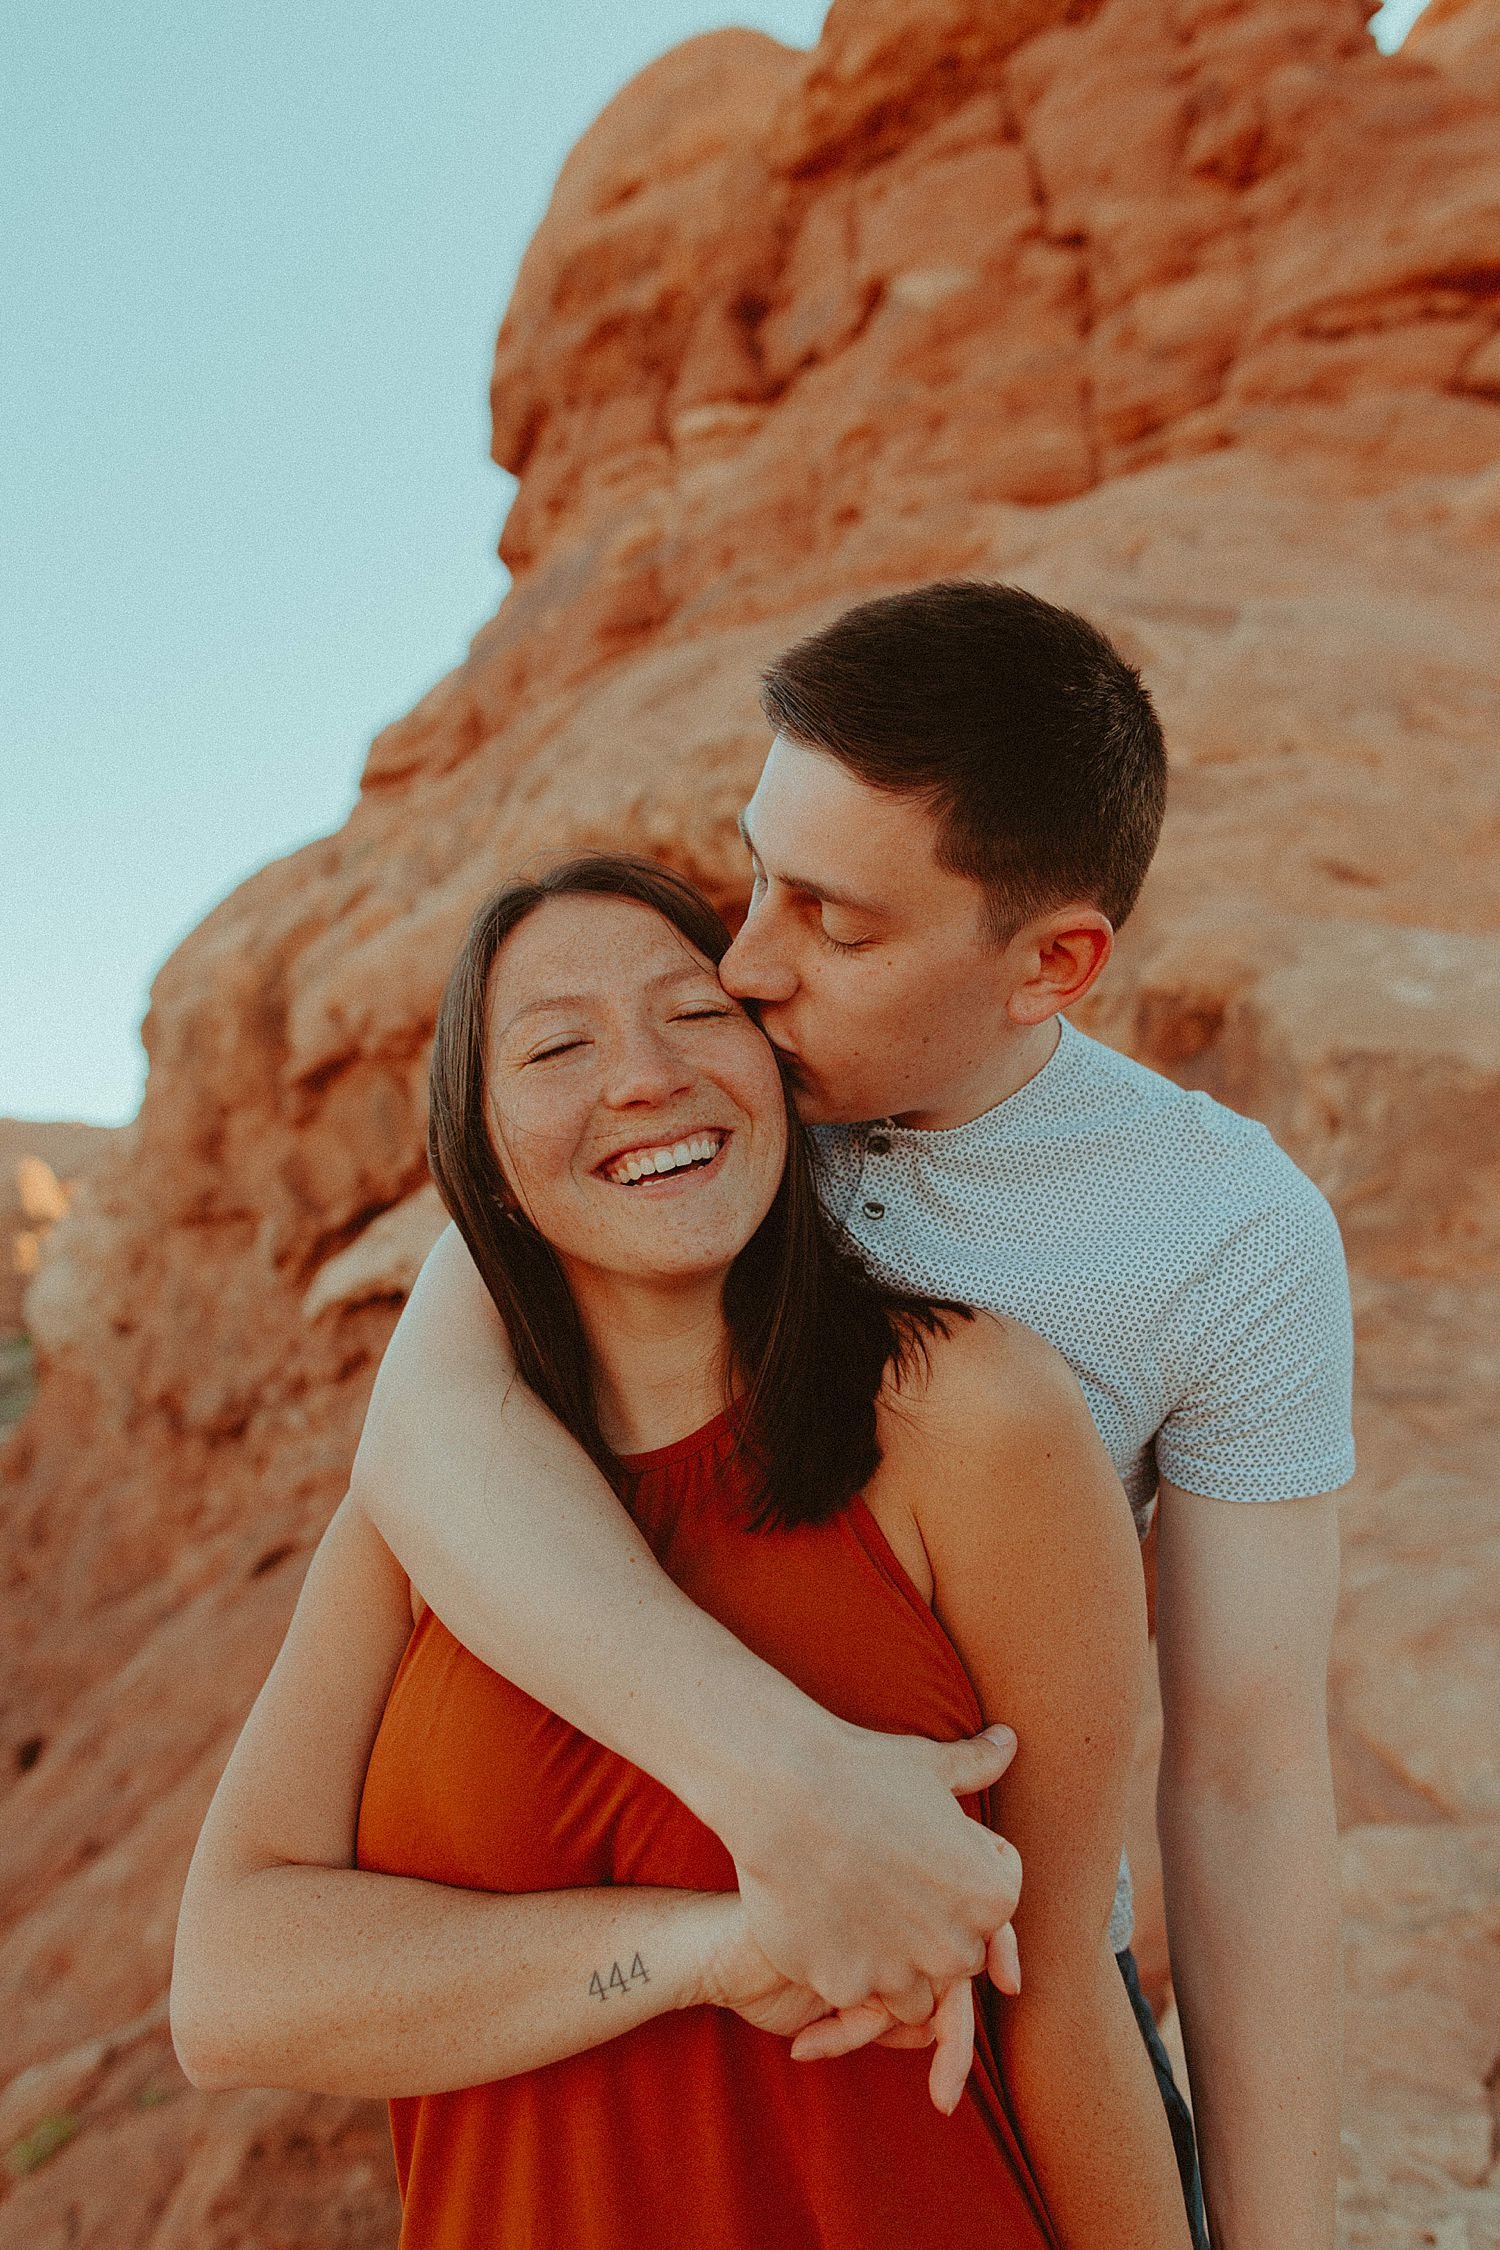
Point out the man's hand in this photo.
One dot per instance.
(867, 1882)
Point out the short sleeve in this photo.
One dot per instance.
(1265, 1349)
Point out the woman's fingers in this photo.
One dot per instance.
(913, 2003)
(908, 2035)
(950, 2030)
(954, 2058)
(841, 2034)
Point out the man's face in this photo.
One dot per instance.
(872, 967)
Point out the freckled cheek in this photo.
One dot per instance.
(541, 1139)
(761, 1099)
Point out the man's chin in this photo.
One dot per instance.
(808, 1104)
(815, 1102)
(814, 1106)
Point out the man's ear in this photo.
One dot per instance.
(1057, 959)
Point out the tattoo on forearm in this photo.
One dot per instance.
(618, 1980)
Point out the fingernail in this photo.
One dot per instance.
(1003, 1737)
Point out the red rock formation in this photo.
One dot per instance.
(1182, 311)
(1461, 35)
(38, 1165)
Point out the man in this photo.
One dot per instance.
(959, 806)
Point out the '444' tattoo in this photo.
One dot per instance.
(617, 1980)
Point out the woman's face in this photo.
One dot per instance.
(636, 1110)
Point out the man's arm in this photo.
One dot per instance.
(1245, 1603)
(859, 1872)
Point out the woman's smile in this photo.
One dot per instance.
(692, 1155)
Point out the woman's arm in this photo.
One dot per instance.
(858, 1871)
(1037, 1580)
(295, 1968)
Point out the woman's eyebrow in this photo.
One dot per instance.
(694, 971)
(541, 1007)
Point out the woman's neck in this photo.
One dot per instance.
(658, 1354)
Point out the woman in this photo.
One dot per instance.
(530, 1947)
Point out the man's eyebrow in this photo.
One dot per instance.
(806, 887)
(689, 972)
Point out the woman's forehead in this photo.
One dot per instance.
(578, 948)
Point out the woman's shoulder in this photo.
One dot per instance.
(982, 1380)
(988, 1446)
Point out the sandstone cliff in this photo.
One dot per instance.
(1181, 311)
(39, 1163)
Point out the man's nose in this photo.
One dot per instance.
(755, 968)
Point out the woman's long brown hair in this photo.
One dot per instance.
(812, 1335)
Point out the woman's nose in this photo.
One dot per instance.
(646, 1068)
(755, 968)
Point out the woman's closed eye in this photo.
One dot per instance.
(557, 1047)
(571, 1043)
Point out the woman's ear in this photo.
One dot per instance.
(1062, 955)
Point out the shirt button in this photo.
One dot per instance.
(874, 1210)
(879, 1144)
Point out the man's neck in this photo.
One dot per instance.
(994, 1082)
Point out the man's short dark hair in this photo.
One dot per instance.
(1017, 723)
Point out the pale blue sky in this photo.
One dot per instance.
(254, 259)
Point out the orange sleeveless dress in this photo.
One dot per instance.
(694, 2131)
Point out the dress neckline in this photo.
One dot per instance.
(697, 1441)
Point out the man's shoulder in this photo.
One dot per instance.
(1205, 1157)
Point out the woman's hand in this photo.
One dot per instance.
(949, 2029)
(739, 1975)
